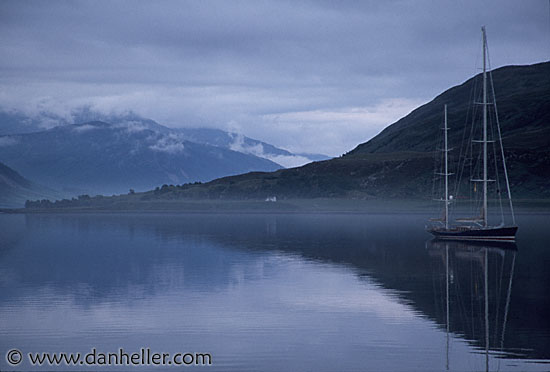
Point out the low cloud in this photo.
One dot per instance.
(171, 144)
(83, 128)
(334, 132)
(287, 161)
(8, 141)
(131, 126)
(327, 131)
(239, 145)
(306, 76)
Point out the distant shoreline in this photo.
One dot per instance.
(290, 206)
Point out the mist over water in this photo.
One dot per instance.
(260, 292)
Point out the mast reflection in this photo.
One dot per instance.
(472, 300)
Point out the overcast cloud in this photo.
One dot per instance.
(315, 76)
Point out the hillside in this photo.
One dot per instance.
(399, 162)
(98, 157)
(523, 99)
(15, 189)
(13, 122)
(247, 145)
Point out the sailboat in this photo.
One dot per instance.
(476, 228)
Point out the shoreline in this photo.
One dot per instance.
(290, 206)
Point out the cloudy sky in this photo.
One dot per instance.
(315, 76)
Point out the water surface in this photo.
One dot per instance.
(274, 292)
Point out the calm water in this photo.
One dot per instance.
(274, 292)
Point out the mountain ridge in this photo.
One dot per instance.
(99, 157)
(399, 162)
(512, 106)
(13, 122)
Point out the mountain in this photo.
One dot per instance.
(15, 189)
(238, 142)
(97, 157)
(523, 99)
(399, 162)
(15, 122)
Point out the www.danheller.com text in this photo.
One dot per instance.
(144, 357)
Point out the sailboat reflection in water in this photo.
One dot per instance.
(474, 307)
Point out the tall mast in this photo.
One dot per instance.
(486, 268)
(484, 127)
(447, 295)
(446, 174)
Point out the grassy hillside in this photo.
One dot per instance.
(399, 162)
(523, 99)
(15, 189)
